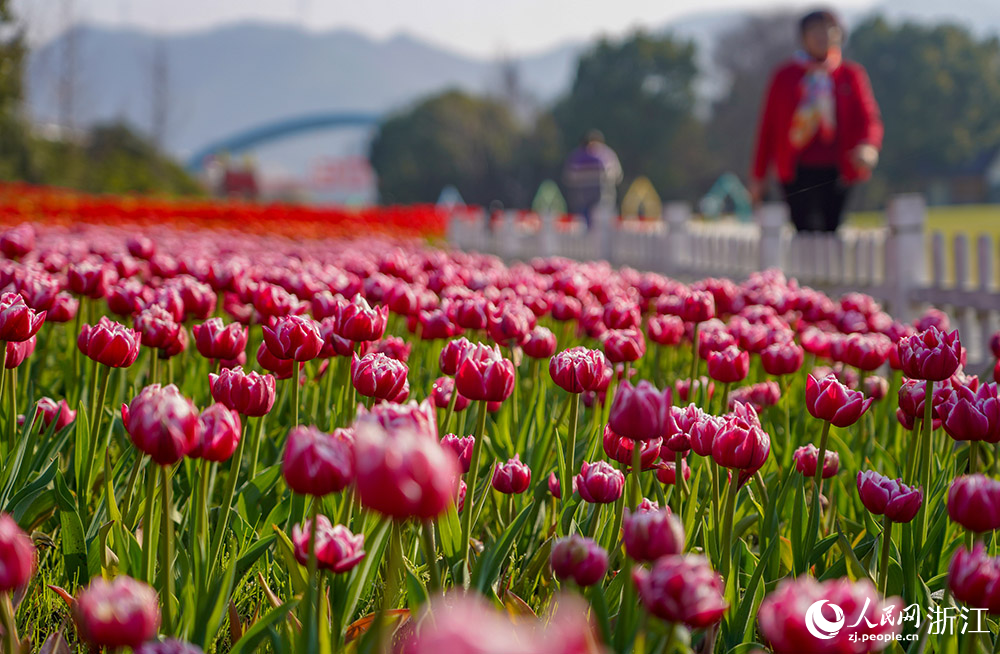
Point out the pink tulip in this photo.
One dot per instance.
(620, 448)
(541, 343)
(599, 483)
(294, 337)
(728, 365)
(641, 412)
(830, 400)
(972, 414)
(118, 613)
(376, 375)
(889, 497)
(484, 374)
(682, 589)
(17, 555)
(579, 559)
(217, 341)
(162, 423)
(251, 394)
(220, 434)
(665, 330)
(807, 457)
(109, 343)
(578, 369)
(337, 549)
(782, 358)
(651, 534)
(931, 354)
(511, 477)
(622, 345)
(741, 443)
(316, 463)
(974, 502)
(18, 321)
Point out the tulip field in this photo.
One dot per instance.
(237, 439)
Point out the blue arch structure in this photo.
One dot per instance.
(280, 129)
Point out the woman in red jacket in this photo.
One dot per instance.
(820, 130)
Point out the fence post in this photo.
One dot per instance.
(603, 229)
(771, 217)
(677, 216)
(905, 252)
(547, 234)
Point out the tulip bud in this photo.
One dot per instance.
(294, 337)
(665, 330)
(789, 625)
(650, 534)
(641, 412)
(17, 555)
(541, 343)
(578, 369)
(251, 394)
(620, 448)
(217, 341)
(972, 414)
(509, 324)
(118, 613)
(682, 589)
(452, 354)
(666, 471)
(484, 374)
(90, 279)
(109, 343)
(697, 306)
(580, 559)
(688, 392)
(358, 321)
(741, 444)
(621, 345)
(599, 482)
(866, 351)
(974, 503)
(782, 358)
(49, 410)
(316, 463)
(404, 473)
(973, 578)
(830, 400)
(17, 241)
(441, 392)
(337, 549)
(554, 488)
(18, 321)
(18, 352)
(162, 423)
(157, 327)
(376, 375)
(807, 457)
(728, 365)
(931, 354)
(512, 477)
(220, 434)
(889, 497)
(462, 447)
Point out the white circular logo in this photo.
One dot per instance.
(819, 626)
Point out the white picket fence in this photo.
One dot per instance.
(901, 264)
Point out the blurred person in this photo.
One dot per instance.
(820, 129)
(591, 174)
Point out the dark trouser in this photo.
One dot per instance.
(816, 199)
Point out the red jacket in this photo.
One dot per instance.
(858, 120)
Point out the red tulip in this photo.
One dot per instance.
(157, 327)
(393, 347)
(782, 358)
(220, 434)
(786, 615)
(64, 309)
(337, 549)
(876, 387)
(830, 400)
(807, 457)
(651, 534)
(578, 369)
(441, 392)
(119, 613)
(641, 412)
(665, 330)
(217, 341)
(697, 306)
(316, 463)
(462, 447)
(728, 365)
(685, 392)
(541, 343)
(162, 423)
(484, 374)
(18, 322)
(293, 337)
(741, 444)
(17, 241)
(17, 555)
(974, 578)
(109, 343)
(403, 473)
(554, 486)
(972, 415)
(866, 351)
(889, 497)
(511, 477)
(580, 559)
(49, 410)
(358, 321)
(510, 324)
(620, 313)
(599, 483)
(666, 471)
(418, 418)
(621, 345)
(974, 502)
(250, 394)
(90, 279)
(620, 448)
(760, 396)
(452, 354)
(376, 375)
(18, 352)
(931, 354)
(682, 589)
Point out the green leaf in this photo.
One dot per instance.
(256, 634)
(287, 550)
(74, 545)
(489, 565)
(450, 530)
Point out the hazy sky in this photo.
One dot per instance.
(475, 27)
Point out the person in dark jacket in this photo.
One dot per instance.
(820, 129)
(591, 174)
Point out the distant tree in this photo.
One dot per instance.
(15, 154)
(450, 138)
(939, 90)
(640, 93)
(746, 56)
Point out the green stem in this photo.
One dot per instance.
(331, 372)
(446, 427)
(10, 640)
(295, 394)
(12, 422)
(153, 354)
(391, 582)
(3, 387)
(694, 361)
(167, 548)
(133, 476)
(147, 524)
(883, 564)
(925, 459)
(311, 604)
(636, 497)
(95, 435)
(255, 454)
(814, 510)
(469, 510)
(430, 554)
(566, 485)
(727, 527)
(227, 502)
(973, 456)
